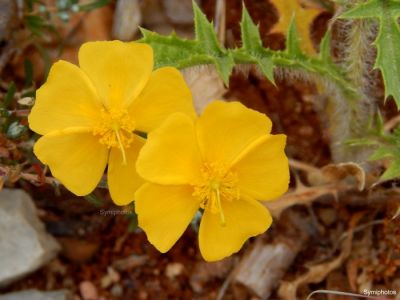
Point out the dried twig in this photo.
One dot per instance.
(389, 125)
(317, 273)
(220, 20)
(302, 166)
(302, 195)
(15, 175)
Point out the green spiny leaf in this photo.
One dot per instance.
(252, 44)
(292, 40)
(204, 30)
(387, 41)
(182, 53)
(208, 41)
(250, 33)
(388, 59)
(325, 48)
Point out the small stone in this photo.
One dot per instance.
(37, 295)
(143, 295)
(173, 270)
(88, 290)
(77, 250)
(111, 277)
(179, 11)
(156, 272)
(130, 262)
(25, 246)
(127, 19)
(327, 215)
(117, 290)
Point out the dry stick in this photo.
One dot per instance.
(355, 230)
(36, 179)
(303, 166)
(225, 285)
(219, 18)
(389, 125)
(302, 196)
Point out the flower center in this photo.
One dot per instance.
(217, 184)
(115, 129)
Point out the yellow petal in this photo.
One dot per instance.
(170, 155)
(244, 219)
(225, 130)
(67, 99)
(263, 172)
(118, 70)
(75, 157)
(164, 212)
(165, 93)
(123, 181)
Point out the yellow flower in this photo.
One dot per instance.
(90, 115)
(222, 162)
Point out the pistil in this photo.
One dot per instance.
(120, 145)
(217, 200)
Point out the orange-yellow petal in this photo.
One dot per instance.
(263, 172)
(67, 99)
(75, 158)
(225, 130)
(118, 70)
(170, 155)
(244, 219)
(123, 181)
(165, 93)
(164, 212)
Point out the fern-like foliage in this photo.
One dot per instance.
(205, 49)
(387, 42)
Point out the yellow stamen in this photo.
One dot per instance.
(218, 184)
(115, 130)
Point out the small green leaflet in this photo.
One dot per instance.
(387, 41)
(252, 45)
(292, 39)
(208, 41)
